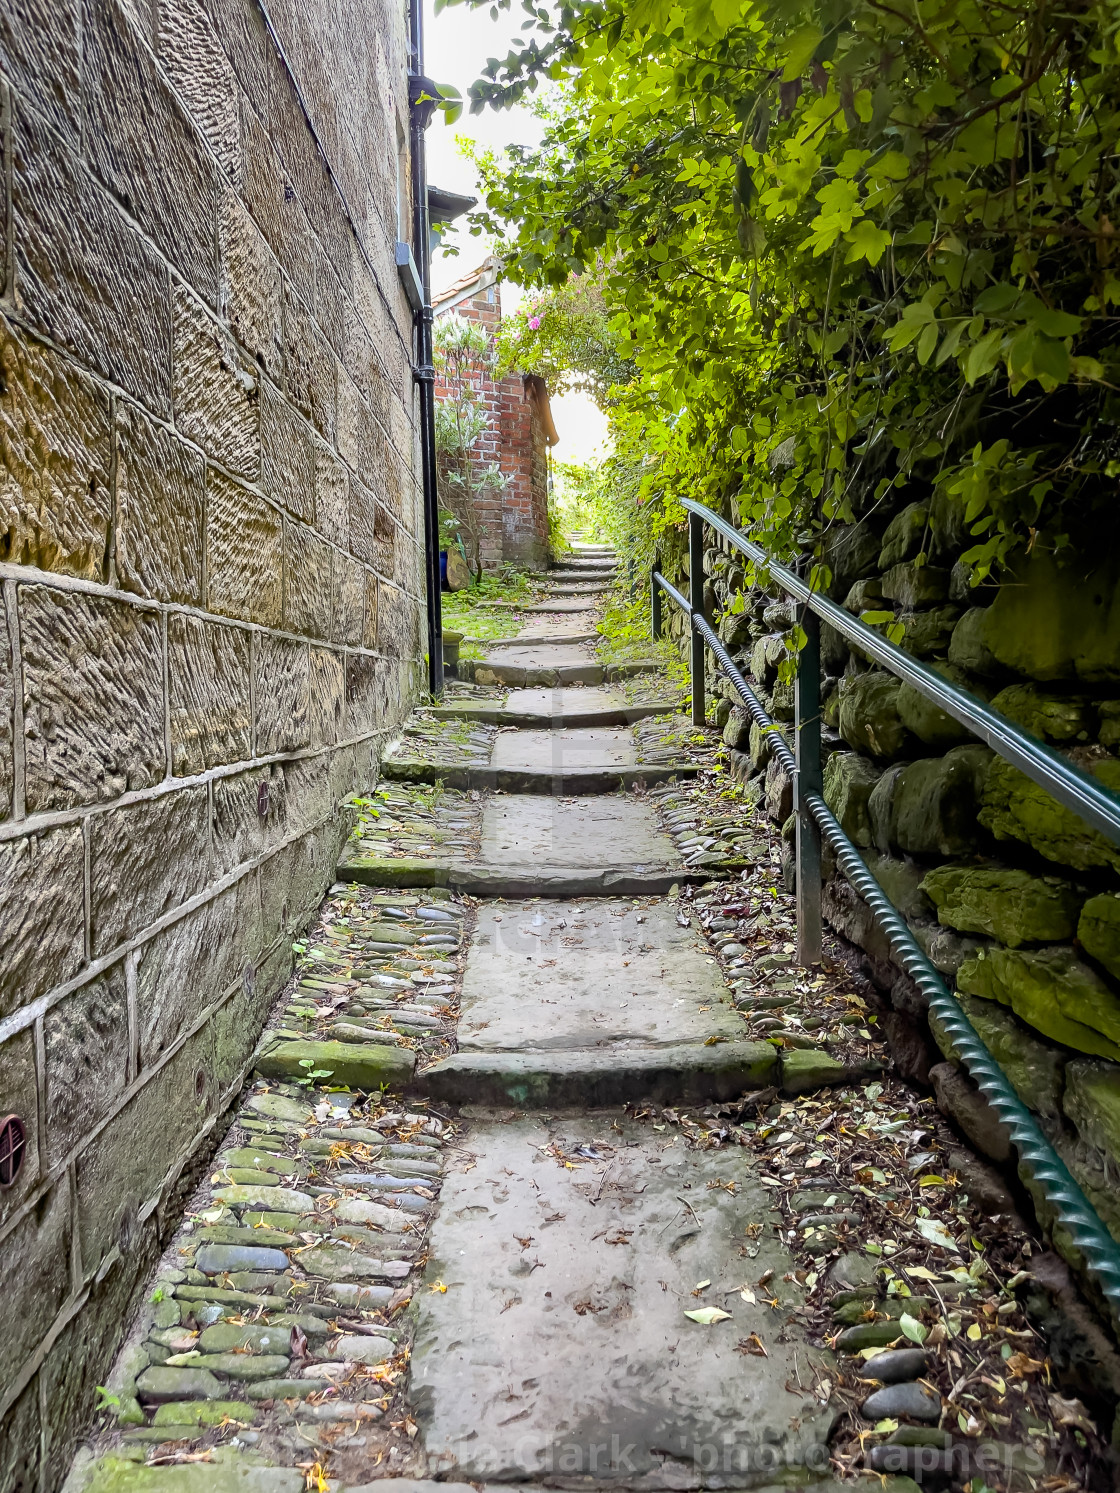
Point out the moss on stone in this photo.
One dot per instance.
(1048, 716)
(1092, 1102)
(869, 719)
(915, 585)
(968, 648)
(1010, 905)
(1099, 930)
(1052, 991)
(1034, 1068)
(1051, 621)
(1014, 807)
(933, 803)
(848, 783)
(927, 721)
(366, 1068)
(903, 537)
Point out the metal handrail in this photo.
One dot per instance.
(815, 821)
(1069, 785)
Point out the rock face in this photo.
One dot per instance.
(1052, 991)
(206, 626)
(1009, 905)
(869, 719)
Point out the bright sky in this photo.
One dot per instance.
(457, 44)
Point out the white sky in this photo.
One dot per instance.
(457, 44)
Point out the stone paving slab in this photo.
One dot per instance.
(567, 976)
(544, 708)
(570, 1250)
(526, 829)
(598, 749)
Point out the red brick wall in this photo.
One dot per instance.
(515, 523)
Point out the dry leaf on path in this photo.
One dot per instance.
(708, 1315)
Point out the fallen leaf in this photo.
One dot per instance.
(752, 1345)
(748, 1295)
(707, 1315)
(936, 1233)
(912, 1328)
(974, 1333)
(1019, 1365)
(701, 1285)
(919, 1272)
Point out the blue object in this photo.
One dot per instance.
(443, 586)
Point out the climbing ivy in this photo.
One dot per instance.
(858, 252)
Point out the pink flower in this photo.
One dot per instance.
(534, 323)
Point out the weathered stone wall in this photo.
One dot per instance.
(1014, 898)
(210, 574)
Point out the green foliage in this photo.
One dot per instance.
(858, 253)
(565, 336)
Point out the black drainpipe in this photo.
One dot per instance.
(421, 92)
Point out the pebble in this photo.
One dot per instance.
(356, 1348)
(244, 1365)
(339, 1262)
(254, 1238)
(914, 1400)
(224, 1337)
(219, 1259)
(275, 1199)
(285, 1389)
(896, 1366)
(277, 1107)
(867, 1335)
(203, 1412)
(333, 1411)
(360, 1298)
(157, 1385)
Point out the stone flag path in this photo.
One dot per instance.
(517, 1193)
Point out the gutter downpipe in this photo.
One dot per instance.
(420, 89)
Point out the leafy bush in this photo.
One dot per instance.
(858, 254)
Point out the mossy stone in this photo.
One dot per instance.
(928, 633)
(968, 647)
(1052, 991)
(869, 719)
(865, 596)
(849, 551)
(1099, 930)
(1046, 715)
(933, 804)
(1009, 905)
(848, 783)
(1051, 621)
(914, 585)
(1034, 1068)
(1092, 1102)
(927, 721)
(901, 881)
(903, 537)
(365, 1067)
(203, 1413)
(1014, 807)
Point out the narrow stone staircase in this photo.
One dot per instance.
(519, 1193)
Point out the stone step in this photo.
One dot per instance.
(568, 716)
(691, 1074)
(606, 779)
(528, 880)
(570, 1253)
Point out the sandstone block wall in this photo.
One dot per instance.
(210, 577)
(1015, 899)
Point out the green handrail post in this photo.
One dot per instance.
(808, 779)
(655, 601)
(696, 600)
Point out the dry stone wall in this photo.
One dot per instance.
(210, 575)
(1015, 899)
